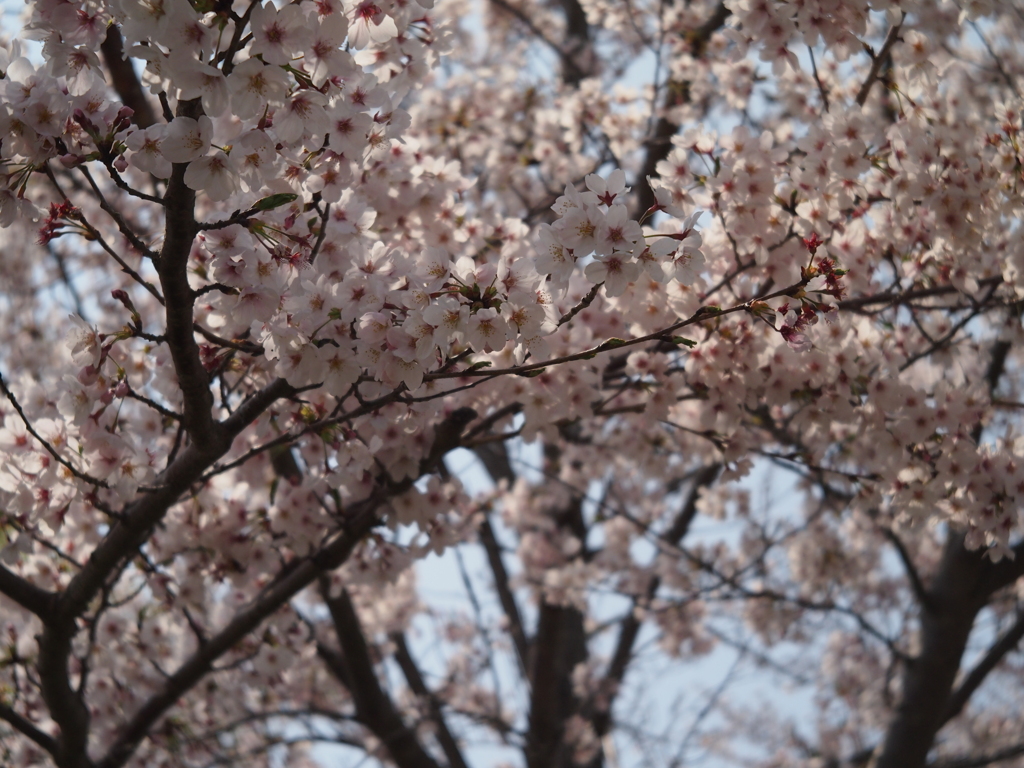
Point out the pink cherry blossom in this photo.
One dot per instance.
(279, 34)
(368, 23)
(187, 139)
(687, 336)
(254, 86)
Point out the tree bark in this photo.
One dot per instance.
(957, 594)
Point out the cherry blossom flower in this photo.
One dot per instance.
(610, 190)
(187, 139)
(368, 23)
(213, 175)
(616, 271)
(146, 152)
(252, 157)
(253, 86)
(324, 52)
(616, 232)
(279, 34)
(46, 113)
(579, 229)
(302, 116)
(401, 232)
(486, 330)
(196, 80)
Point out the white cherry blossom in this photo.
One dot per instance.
(187, 139)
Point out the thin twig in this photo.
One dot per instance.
(49, 448)
(877, 59)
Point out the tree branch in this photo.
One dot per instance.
(124, 79)
(49, 448)
(363, 517)
(877, 60)
(180, 229)
(494, 457)
(1007, 753)
(659, 145)
(21, 724)
(504, 590)
(560, 644)
(920, 591)
(1006, 643)
(414, 678)
(124, 539)
(957, 595)
(354, 668)
(512, 10)
(122, 226)
(629, 630)
(26, 594)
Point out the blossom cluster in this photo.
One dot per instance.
(377, 248)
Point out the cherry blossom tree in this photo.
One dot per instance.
(265, 266)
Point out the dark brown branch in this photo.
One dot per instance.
(578, 62)
(65, 706)
(877, 60)
(120, 183)
(97, 237)
(557, 648)
(911, 294)
(585, 302)
(999, 756)
(995, 58)
(122, 226)
(180, 229)
(162, 410)
(247, 347)
(49, 448)
(1007, 570)
(505, 596)
(363, 517)
(559, 645)
(920, 591)
(1006, 643)
(958, 593)
(631, 624)
(322, 234)
(26, 594)
(237, 40)
(124, 79)
(25, 727)
(141, 516)
(658, 146)
(512, 10)
(414, 678)
(494, 457)
(817, 79)
(119, 545)
(354, 668)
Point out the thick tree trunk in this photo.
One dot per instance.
(956, 596)
(560, 646)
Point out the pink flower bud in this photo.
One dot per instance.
(124, 115)
(84, 121)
